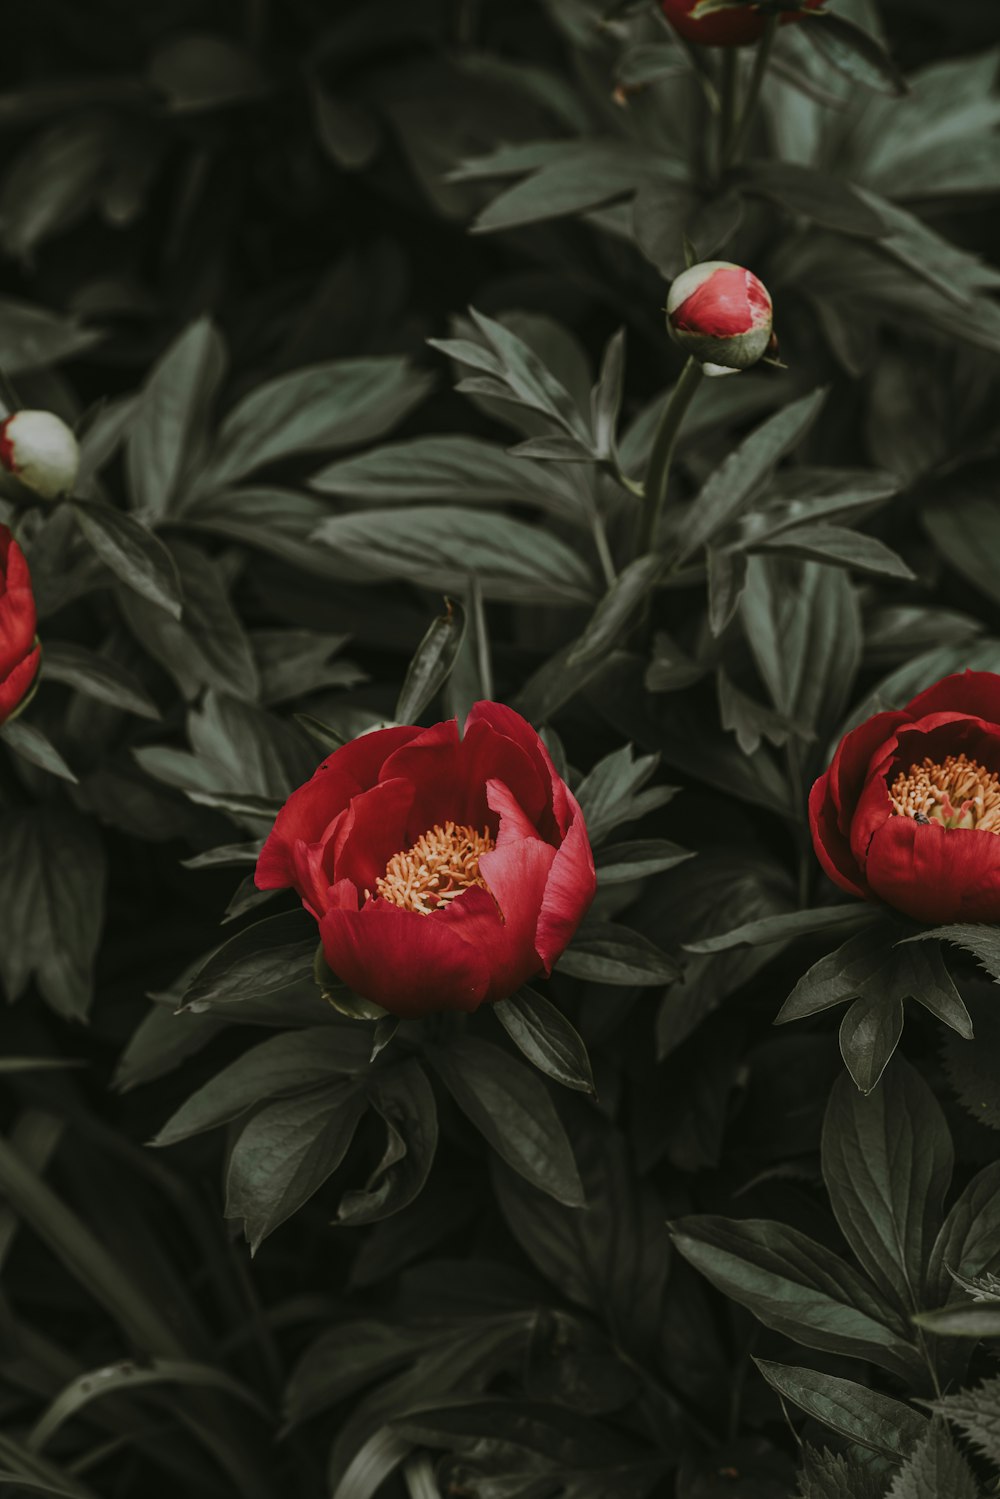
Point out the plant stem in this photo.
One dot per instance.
(603, 550)
(728, 105)
(737, 139)
(658, 468)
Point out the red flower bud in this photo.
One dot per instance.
(721, 314)
(909, 811)
(19, 650)
(724, 28)
(443, 871)
(39, 449)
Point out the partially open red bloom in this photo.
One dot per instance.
(724, 28)
(19, 652)
(909, 810)
(443, 871)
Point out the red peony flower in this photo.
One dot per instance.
(721, 313)
(909, 811)
(443, 871)
(19, 650)
(724, 28)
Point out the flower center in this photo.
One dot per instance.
(956, 792)
(442, 863)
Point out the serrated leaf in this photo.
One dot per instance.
(829, 1475)
(976, 1413)
(935, 1467)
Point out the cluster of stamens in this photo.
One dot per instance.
(442, 863)
(956, 793)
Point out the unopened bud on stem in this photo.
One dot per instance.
(40, 450)
(721, 315)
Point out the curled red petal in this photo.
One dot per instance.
(450, 775)
(411, 965)
(571, 887)
(16, 685)
(501, 920)
(512, 726)
(936, 874)
(832, 848)
(311, 809)
(974, 692)
(371, 830)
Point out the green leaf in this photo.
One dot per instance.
(468, 470)
(28, 741)
(625, 596)
(439, 547)
(783, 927)
(869, 1034)
(962, 1321)
(590, 174)
(286, 1153)
(269, 955)
(317, 409)
(817, 195)
(796, 1287)
(887, 1162)
(52, 905)
(279, 1067)
(511, 1108)
(33, 338)
(116, 1379)
(404, 1099)
(934, 1468)
(170, 424)
(613, 792)
(854, 1411)
(623, 862)
(98, 677)
(980, 939)
(727, 490)
(829, 1475)
(132, 553)
(854, 52)
(604, 953)
(432, 663)
(606, 397)
(839, 547)
(973, 1070)
(544, 1035)
(976, 1413)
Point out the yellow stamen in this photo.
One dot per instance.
(442, 863)
(956, 792)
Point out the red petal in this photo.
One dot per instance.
(311, 809)
(849, 766)
(729, 302)
(410, 965)
(512, 726)
(973, 692)
(450, 775)
(372, 829)
(18, 618)
(832, 849)
(936, 874)
(571, 887)
(516, 874)
(15, 687)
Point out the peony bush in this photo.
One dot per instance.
(498, 913)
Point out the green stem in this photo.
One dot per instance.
(658, 468)
(737, 139)
(728, 104)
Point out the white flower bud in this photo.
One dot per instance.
(39, 449)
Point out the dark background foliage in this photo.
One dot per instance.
(239, 248)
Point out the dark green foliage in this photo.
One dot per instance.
(357, 313)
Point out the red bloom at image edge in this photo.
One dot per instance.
(724, 28)
(909, 811)
(19, 650)
(444, 871)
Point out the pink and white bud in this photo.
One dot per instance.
(39, 449)
(721, 314)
